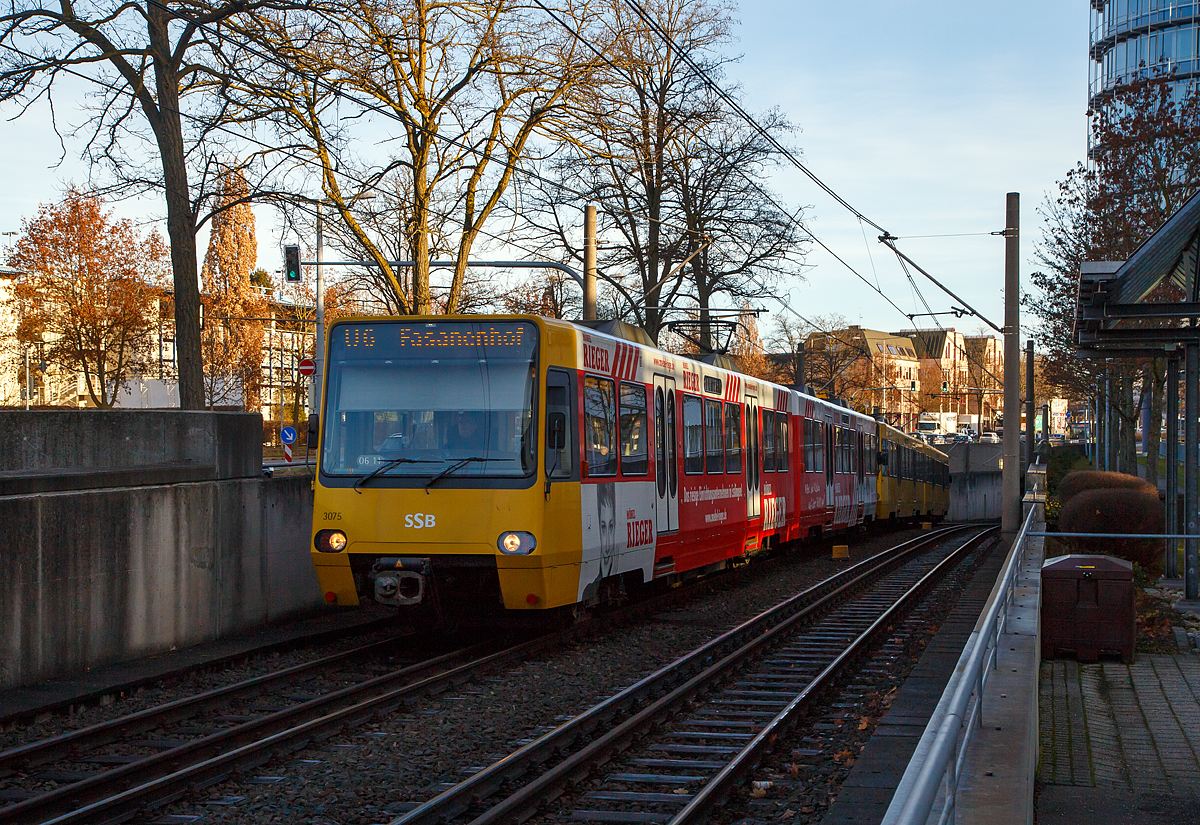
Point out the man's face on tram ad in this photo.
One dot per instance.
(606, 506)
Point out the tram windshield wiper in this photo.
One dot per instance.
(387, 465)
(455, 466)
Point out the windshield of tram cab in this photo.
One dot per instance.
(422, 397)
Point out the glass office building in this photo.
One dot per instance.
(1133, 39)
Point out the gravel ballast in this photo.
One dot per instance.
(373, 773)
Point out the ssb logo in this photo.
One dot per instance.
(420, 520)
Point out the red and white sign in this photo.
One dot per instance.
(287, 453)
(307, 367)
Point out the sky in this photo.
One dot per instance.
(922, 115)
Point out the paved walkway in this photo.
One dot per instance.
(1120, 743)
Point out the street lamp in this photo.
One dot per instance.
(8, 244)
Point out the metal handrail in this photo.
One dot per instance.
(948, 733)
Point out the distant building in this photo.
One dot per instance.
(869, 369)
(12, 356)
(961, 374)
(1133, 40)
(985, 390)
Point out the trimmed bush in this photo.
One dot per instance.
(1119, 510)
(1081, 480)
(1064, 459)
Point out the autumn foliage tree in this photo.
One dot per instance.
(232, 333)
(89, 292)
(1145, 165)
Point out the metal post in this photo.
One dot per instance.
(28, 383)
(314, 391)
(1172, 565)
(1029, 402)
(1191, 479)
(1108, 420)
(589, 262)
(1011, 475)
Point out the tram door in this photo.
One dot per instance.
(831, 456)
(666, 459)
(753, 459)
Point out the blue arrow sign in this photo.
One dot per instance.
(288, 434)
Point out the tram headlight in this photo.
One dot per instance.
(330, 541)
(516, 543)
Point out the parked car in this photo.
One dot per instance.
(989, 438)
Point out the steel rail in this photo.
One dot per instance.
(713, 793)
(168, 775)
(670, 683)
(944, 742)
(195, 761)
(322, 637)
(42, 751)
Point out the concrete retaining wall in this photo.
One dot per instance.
(39, 441)
(91, 576)
(976, 482)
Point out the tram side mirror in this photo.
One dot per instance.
(556, 435)
(312, 428)
(883, 459)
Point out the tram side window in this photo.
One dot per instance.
(782, 445)
(713, 437)
(768, 425)
(733, 438)
(600, 425)
(818, 442)
(558, 403)
(635, 447)
(808, 445)
(693, 435)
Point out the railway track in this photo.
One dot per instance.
(687, 734)
(109, 771)
(116, 770)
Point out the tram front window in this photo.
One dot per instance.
(411, 400)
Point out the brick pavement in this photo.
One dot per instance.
(1132, 732)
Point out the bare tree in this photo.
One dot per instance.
(467, 85)
(153, 64)
(737, 241)
(649, 104)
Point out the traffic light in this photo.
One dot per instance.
(945, 387)
(291, 265)
(912, 385)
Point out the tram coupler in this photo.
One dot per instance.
(400, 581)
